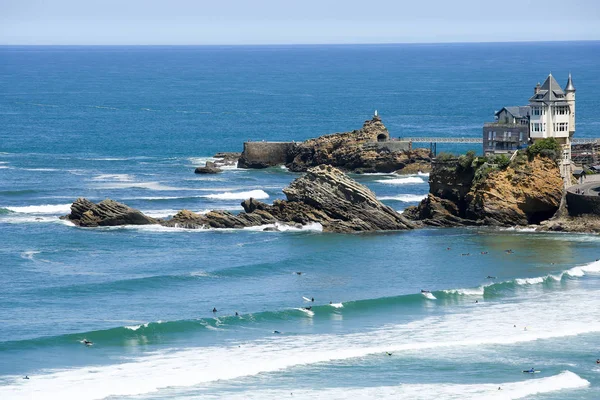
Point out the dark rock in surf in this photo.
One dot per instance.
(324, 195)
(209, 168)
(106, 213)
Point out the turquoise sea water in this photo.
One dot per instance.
(131, 123)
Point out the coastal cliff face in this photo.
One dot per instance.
(350, 151)
(324, 195)
(474, 191)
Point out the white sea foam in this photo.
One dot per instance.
(42, 209)
(310, 313)
(40, 169)
(429, 295)
(529, 281)
(510, 390)
(257, 194)
(519, 229)
(280, 227)
(401, 181)
(113, 178)
(478, 291)
(28, 255)
(573, 313)
(136, 327)
(160, 213)
(337, 305)
(139, 185)
(406, 198)
(423, 174)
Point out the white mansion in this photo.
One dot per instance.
(550, 113)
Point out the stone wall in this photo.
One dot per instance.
(389, 145)
(582, 204)
(264, 154)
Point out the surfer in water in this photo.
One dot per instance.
(298, 273)
(388, 353)
(277, 332)
(308, 308)
(532, 370)
(490, 277)
(312, 299)
(425, 291)
(214, 309)
(26, 377)
(236, 314)
(598, 361)
(87, 342)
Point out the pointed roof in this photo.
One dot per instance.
(550, 91)
(570, 87)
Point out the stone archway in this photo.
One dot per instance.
(382, 137)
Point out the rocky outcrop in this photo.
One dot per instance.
(366, 150)
(324, 195)
(474, 191)
(357, 151)
(520, 195)
(221, 160)
(106, 213)
(209, 168)
(582, 224)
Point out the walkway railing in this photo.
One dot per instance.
(441, 140)
(477, 140)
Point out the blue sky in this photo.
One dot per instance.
(190, 22)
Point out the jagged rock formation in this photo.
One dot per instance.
(365, 150)
(586, 223)
(355, 151)
(209, 168)
(106, 213)
(474, 193)
(222, 159)
(324, 195)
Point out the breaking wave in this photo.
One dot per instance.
(401, 181)
(257, 194)
(406, 198)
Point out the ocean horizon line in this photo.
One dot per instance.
(382, 44)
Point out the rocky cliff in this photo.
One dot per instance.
(476, 191)
(323, 195)
(351, 151)
(365, 150)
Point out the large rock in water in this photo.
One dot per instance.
(106, 213)
(356, 152)
(324, 195)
